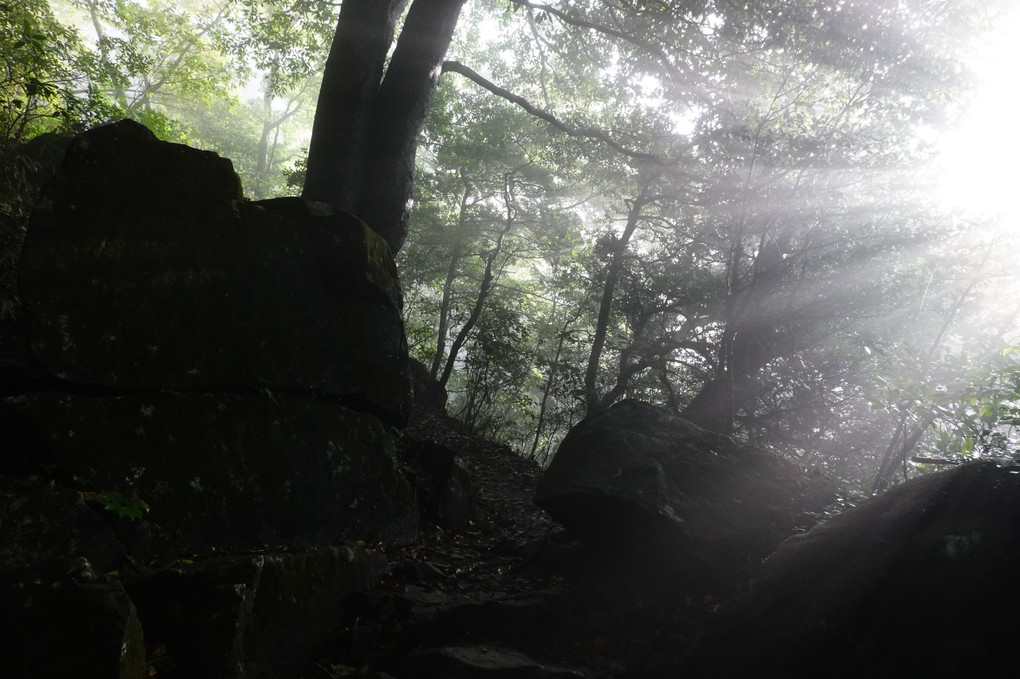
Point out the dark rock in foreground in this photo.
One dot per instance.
(636, 478)
(143, 268)
(259, 615)
(231, 471)
(919, 582)
(479, 662)
(442, 484)
(45, 532)
(83, 625)
(201, 375)
(235, 366)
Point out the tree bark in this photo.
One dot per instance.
(350, 81)
(451, 277)
(486, 286)
(365, 133)
(404, 100)
(613, 272)
(751, 339)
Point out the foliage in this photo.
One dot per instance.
(719, 207)
(753, 213)
(174, 67)
(45, 87)
(118, 503)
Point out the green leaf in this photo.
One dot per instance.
(118, 503)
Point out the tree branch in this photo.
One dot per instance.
(655, 51)
(583, 132)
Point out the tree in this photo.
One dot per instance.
(49, 83)
(160, 59)
(765, 151)
(754, 289)
(709, 205)
(489, 207)
(365, 136)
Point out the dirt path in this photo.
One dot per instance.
(508, 594)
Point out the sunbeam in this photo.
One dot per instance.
(979, 159)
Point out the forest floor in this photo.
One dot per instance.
(508, 594)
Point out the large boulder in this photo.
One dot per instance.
(635, 479)
(201, 375)
(235, 366)
(919, 581)
(143, 268)
(83, 625)
(225, 470)
(435, 464)
(442, 483)
(250, 616)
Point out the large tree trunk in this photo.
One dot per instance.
(350, 82)
(361, 155)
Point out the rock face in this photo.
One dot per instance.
(81, 625)
(436, 469)
(635, 477)
(233, 365)
(429, 394)
(249, 616)
(227, 470)
(144, 269)
(234, 373)
(919, 581)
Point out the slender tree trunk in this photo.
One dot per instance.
(626, 369)
(613, 272)
(262, 151)
(486, 286)
(104, 51)
(451, 277)
(551, 380)
(365, 133)
(444, 312)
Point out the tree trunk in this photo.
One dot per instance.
(486, 286)
(446, 304)
(365, 133)
(350, 82)
(262, 151)
(104, 49)
(626, 369)
(613, 272)
(551, 378)
(751, 339)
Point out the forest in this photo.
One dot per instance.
(728, 209)
(608, 339)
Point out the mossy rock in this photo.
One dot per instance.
(235, 471)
